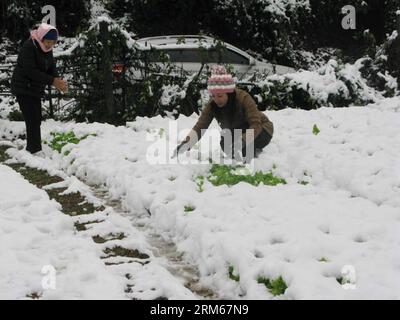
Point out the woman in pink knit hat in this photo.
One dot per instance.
(35, 69)
(236, 112)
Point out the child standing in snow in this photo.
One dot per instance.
(35, 69)
(234, 109)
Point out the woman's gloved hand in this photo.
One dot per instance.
(181, 148)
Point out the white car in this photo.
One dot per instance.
(189, 52)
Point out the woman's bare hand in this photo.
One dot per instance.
(60, 84)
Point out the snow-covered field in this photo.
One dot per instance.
(345, 223)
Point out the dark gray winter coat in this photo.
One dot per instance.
(34, 70)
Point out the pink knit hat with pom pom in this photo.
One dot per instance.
(220, 81)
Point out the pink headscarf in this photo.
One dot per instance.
(40, 32)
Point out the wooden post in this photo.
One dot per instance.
(51, 109)
(107, 71)
(398, 22)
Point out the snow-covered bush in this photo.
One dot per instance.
(9, 109)
(83, 66)
(270, 27)
(140, 86)
(333, 85)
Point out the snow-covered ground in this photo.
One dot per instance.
(345, 223)
(42, 254)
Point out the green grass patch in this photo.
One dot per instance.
(61, 139)
(275, 287)
(200, 183)
(231, 274)
(231, 175)
(342, 281)
(189, 208)
(315, 130)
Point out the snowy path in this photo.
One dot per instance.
(346, 218)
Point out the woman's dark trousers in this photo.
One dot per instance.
(31, 108)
